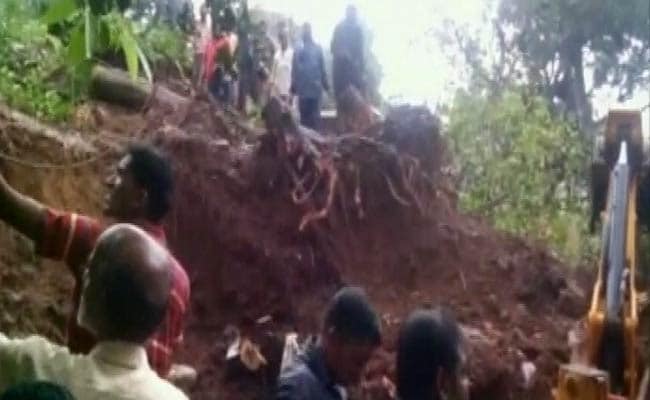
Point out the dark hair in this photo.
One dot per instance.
(36, 390)
(229, 19)
(429, 341)
(352, 318)
(134, 314)
(153, 172)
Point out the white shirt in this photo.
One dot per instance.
(281, 74)
(112, 371)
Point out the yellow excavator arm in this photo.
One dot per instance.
(610, 367)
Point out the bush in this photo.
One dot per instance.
(24, 76)
(166, 47)
(522, 168)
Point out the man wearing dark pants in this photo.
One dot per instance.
(308, 79)
(348, 54)
(309, 109)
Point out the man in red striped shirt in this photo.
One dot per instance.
(139, 192)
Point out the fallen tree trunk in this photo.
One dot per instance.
(116, 86)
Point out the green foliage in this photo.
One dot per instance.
(521, 167)
(93, 27)
(26, 92)
(555, 46)
(615, 31)
(48, 48)
(59, 10)
(24, 77)
(552, 36)
(166, 45)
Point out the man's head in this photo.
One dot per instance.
(429, 356)
(140, 187)
(351, 333)
(229, 19)
(38, 390)
(126, 285)
(306, 33)
(351, 13)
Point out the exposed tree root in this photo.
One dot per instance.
(321, 167)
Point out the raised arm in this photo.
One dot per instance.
(21, 212)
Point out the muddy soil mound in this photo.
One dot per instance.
(271, 223)
(275, 227)
(35, 293)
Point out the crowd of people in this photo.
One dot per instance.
(236, 65)
(131, 298)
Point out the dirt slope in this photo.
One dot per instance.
(249, 259)
(236, 228)
(34, 296)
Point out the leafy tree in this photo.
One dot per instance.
(165, 46)
(25, 80)
(162, 28)
(520, 166)
(552, 45)
(554, 37)
(515, 130)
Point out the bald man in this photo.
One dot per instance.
(126, 289)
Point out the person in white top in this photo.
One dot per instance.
(281, 72)
(125, 295)
(202, 37)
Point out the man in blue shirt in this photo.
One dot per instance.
(351, 333)
(308, 79)
(348, 66)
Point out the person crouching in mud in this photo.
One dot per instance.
(350, 335)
